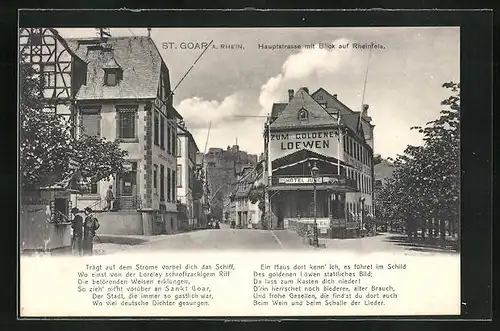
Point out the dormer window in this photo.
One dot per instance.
(303, 114)
(112, 73)
(111, 77)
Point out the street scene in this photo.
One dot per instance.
(137, 140)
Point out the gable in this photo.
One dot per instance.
(348, 117)
(302, 102)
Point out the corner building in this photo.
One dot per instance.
(317, 129)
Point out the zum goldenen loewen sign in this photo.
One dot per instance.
(308, 140)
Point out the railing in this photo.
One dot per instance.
(133, 202)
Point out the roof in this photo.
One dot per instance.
(316, 114)
(277, 109)
(301, 155)
(348, 117)
(245, 184)
(183, 131)
(137, 56)
(64, 43)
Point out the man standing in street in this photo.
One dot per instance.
(90, 225)
(77, 226)
(109, 198)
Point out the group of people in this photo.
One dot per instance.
(84, 231)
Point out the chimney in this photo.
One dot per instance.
(335, 96)
(305, 89)
(149, 32)
(290, 95)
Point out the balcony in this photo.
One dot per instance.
(323, 182)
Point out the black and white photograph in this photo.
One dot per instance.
(138, 142)
(166, 135)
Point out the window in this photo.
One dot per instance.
(162, 182)
(126, 122)
(90, 121)
(345, 144)
(49, 75)
(178, 150)
(155, 179)
(169, 149)
(93, 189)
(302, 115)
(179, 175)
(156, 128)
(112, 76)
(350, 147)
(169, 185)
(191, 178)
(174, 176)
(173, 141)
(162, 133)
(36, 37)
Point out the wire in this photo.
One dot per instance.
(192, 66)
(366, 77)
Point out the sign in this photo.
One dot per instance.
(324, 142)
(310, 180)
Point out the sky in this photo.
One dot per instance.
(234, 89)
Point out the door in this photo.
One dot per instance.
(127, 187)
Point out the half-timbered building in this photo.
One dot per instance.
(64, 71)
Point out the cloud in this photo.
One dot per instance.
(300, 67)
(248, 133)
(198, 112)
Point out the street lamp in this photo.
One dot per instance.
(314, 174)
(362, 203)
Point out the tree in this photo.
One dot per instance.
(47, 143)
(423, 191)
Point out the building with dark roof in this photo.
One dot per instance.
(316, 129)
(118, 89)
(239, 206)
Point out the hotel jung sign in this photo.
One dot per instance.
(310, 180)
(320, 141)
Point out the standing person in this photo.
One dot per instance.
(77, 226)
(90, 225)
(109, 198)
